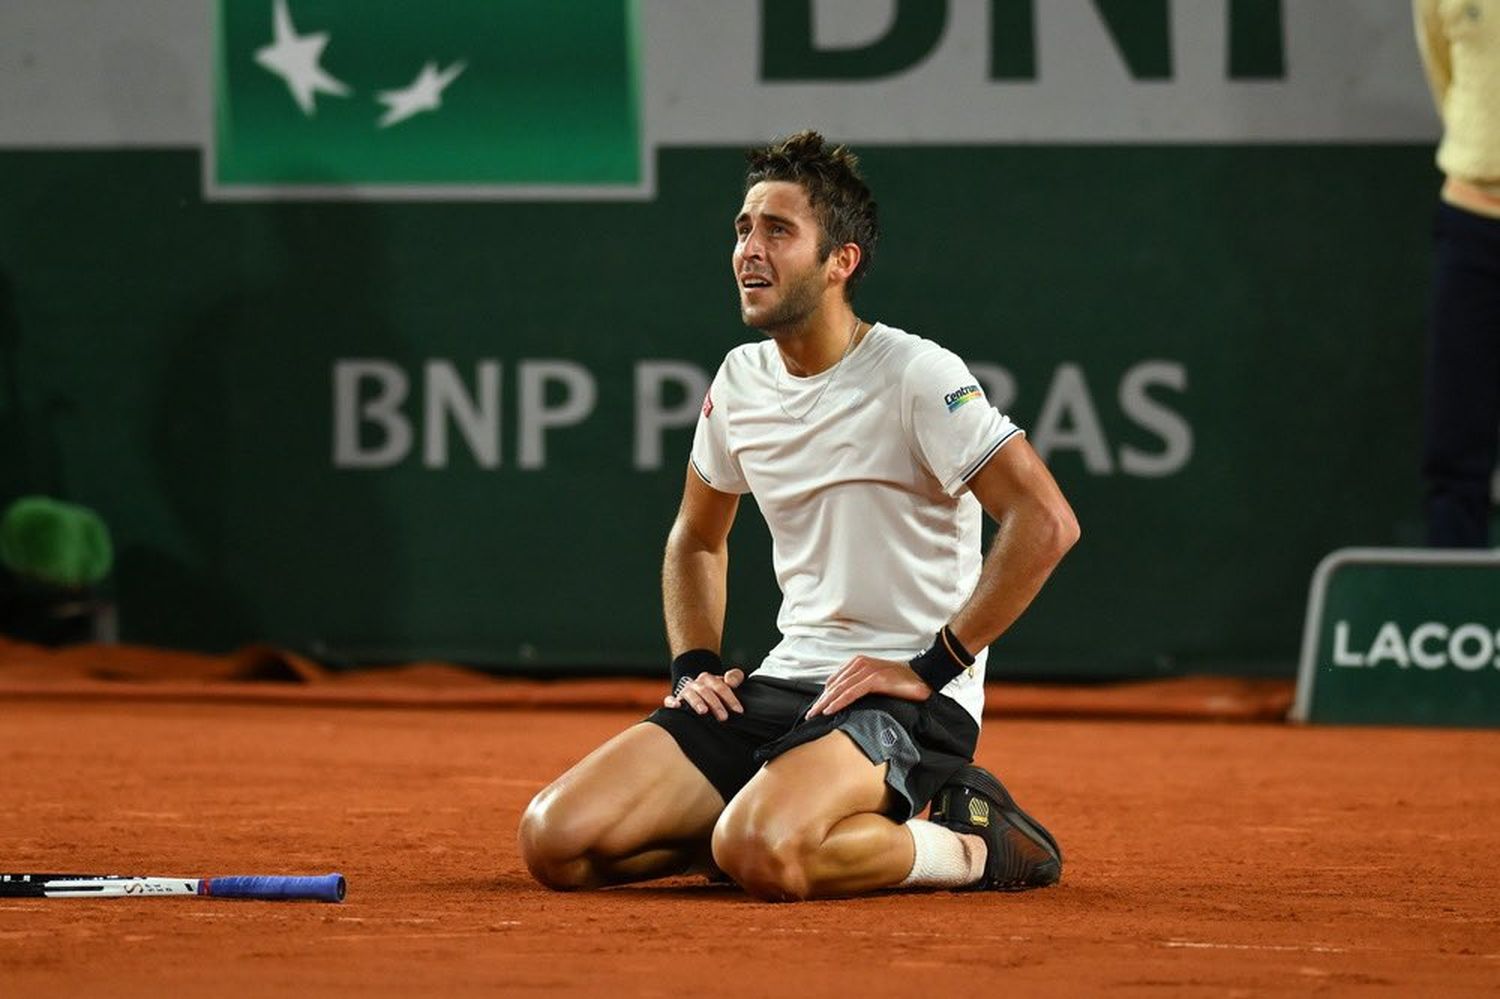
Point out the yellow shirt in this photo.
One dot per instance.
(1460, 45)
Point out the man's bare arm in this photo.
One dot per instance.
(695, 569)
(694, 586)
(1037, 527)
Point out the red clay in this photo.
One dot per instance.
(1202, 859)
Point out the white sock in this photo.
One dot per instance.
(944, 858)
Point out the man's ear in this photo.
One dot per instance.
(844, 260)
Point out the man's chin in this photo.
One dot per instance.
(755, 319)
(766, 321)
(772, 332)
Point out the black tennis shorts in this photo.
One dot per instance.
(923, 741)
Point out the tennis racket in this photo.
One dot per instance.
(324, 888)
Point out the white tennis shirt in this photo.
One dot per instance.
(861, 473)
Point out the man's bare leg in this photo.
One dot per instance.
(810, 825)
(632, 810)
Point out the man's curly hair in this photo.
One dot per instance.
(838, 194)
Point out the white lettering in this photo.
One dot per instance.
(1175, 432)
(1432, 645)
(478, 422)
(1388, 645)
(652, 417)
(537, 417)
(1482, 654)
(371, 428)
(1429, 631)
(1068, 399)
(1342, 654)
(383, 410)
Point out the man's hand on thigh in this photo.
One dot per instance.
(866, 675)
(709, 693)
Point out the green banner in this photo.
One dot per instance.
(463, 98)
(398, 430)
(1403, 637)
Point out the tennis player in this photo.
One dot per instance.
(872, 454)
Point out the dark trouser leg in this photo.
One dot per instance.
(1462, 425)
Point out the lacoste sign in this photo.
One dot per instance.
(1402, 636)
(1430, 645)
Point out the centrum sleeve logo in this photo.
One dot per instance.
(958, 397)
(392, 99)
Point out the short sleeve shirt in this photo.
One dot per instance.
(862, 475)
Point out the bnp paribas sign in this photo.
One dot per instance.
(397, 98)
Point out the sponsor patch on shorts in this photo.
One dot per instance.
(958, 397)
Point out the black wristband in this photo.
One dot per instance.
(943, 660)
(691, 663)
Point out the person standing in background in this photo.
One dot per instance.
(1460, 46)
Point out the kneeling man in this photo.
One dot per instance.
(873, 455)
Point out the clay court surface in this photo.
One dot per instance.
(1203, 858)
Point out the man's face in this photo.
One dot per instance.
(776, 265)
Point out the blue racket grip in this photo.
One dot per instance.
(325, 888)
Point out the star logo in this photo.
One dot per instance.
(295, 58)
(425, 93)
(381, 99)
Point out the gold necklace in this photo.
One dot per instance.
(821, 392)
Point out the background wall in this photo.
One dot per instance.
(1185, 245)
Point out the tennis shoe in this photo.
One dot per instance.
(1021, 854)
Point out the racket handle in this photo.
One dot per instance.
(326, 888)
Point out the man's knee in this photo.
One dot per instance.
(558, 841)
(770, 860)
